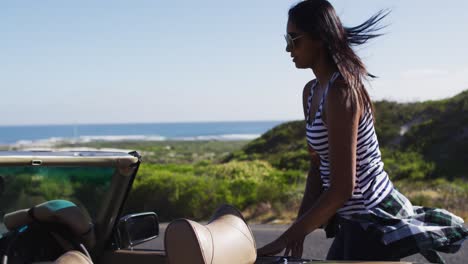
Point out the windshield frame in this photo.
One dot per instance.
(126, 166)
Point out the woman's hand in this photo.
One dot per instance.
(272, 248)
(295, 248)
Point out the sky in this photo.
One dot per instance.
(141, 61)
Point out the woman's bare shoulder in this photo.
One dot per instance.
(345, 97)
(341, 101)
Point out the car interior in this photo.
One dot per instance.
(58, 232)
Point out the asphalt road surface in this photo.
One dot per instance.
(315, 246)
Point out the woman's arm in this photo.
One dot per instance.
(313, 182)
(311, 193)
(312, 189)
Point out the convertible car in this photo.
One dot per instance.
(67, 207)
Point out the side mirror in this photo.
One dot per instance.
(135, 229)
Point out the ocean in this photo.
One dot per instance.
(47, 135)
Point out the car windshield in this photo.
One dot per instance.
(25, 186)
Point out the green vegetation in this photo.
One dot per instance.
(406, 165)
(437, 130)
(195, 191)
(284, 147)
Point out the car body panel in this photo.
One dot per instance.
(122, 256)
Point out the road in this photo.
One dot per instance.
(315, 246)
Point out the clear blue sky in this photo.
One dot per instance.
(73, 62)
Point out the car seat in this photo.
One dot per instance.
(225, 239)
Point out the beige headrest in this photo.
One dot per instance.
(73, 257)
(55, 212)
(225, 239)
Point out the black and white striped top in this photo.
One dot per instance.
(372, 183)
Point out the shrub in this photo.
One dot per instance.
(197, 190)
(406, 165)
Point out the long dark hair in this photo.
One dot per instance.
(319, 20)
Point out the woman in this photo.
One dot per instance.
(372, 220)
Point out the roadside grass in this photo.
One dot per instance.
(440, 193)
(437, 193)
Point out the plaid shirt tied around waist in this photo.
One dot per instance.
(409, 229)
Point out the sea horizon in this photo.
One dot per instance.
(142, 123)
(49, 135)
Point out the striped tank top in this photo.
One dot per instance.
(372, 183)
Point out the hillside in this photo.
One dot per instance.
(283, 147)
(428, 139)
(438, 130)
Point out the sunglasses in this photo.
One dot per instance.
(290, 40)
